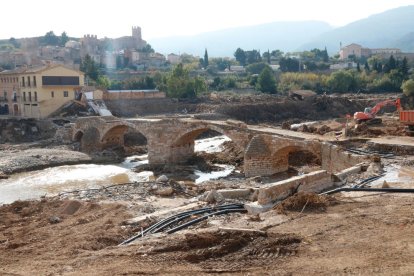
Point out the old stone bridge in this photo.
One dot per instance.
(171, 141)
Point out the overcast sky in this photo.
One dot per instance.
(161, 18)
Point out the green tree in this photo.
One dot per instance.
(403, 68)
(89, 67)
(408, 88)
(289, 65)
(276, 54)
(50, 39)
(266, 81)
(341, 81)
(179, 84)
(366, 67)
(147, 49)
(253, 56)
(205, 60)
(103, 82)
(119, 62)
(256, 68)
(396, 78)
(14, 42)
(222, 64)
(391, 64)
(266, 55)
(63, 39)
(240, 56)
(325, 56)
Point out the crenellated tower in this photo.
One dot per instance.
(136, 33)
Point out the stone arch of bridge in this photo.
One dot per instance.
(282, 157)
(115, 135)
(182, 148)
(88, 139)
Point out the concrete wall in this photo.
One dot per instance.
(127, 95)
(335, 159)
(312, 182)
(147, 106)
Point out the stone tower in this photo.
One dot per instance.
(136, 33)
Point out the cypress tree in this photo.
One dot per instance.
(205, 64)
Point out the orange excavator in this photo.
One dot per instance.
(369, 114)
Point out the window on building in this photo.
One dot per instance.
(35, 96)
(30, 96)
(60, 80)
(14, 97)
(65, 94)
(52, 94)
(23, 84)
(34, 81)
(28, 81)
(24, 96)
(5, 95)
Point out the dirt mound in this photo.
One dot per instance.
(65, 226)
(243, 249)
(307, 202)
(303, 158)
(277, 110)
(231, 155)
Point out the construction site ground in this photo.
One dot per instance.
(357, 233)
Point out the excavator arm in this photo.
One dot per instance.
(370, 113)
(380, 105)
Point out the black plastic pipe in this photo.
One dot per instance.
(383, 190)
(368, 180)
(185, 216)
(178, 217)
(194, 221)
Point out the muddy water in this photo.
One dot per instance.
(49, 181)
(397, 176)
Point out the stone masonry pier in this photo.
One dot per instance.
(171, 141)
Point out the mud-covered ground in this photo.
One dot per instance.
(78, 233)
(354, 234)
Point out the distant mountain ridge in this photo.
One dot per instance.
(278, 35)
(391, 29)
(383, 30)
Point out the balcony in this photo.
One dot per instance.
(3, 99)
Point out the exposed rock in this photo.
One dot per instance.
(3, 176)
(212, 197)
(165, 191)
(162, 178)
(55, 219)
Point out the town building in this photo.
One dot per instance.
(37, 92)
(173, 58)
(357, 51)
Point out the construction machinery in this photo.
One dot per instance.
(407, 119)
(369, 114)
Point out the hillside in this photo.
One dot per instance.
(386, 29)
(405, 43)
(277, 35)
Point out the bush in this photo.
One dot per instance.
(408, 88)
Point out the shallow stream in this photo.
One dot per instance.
(34, 184)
